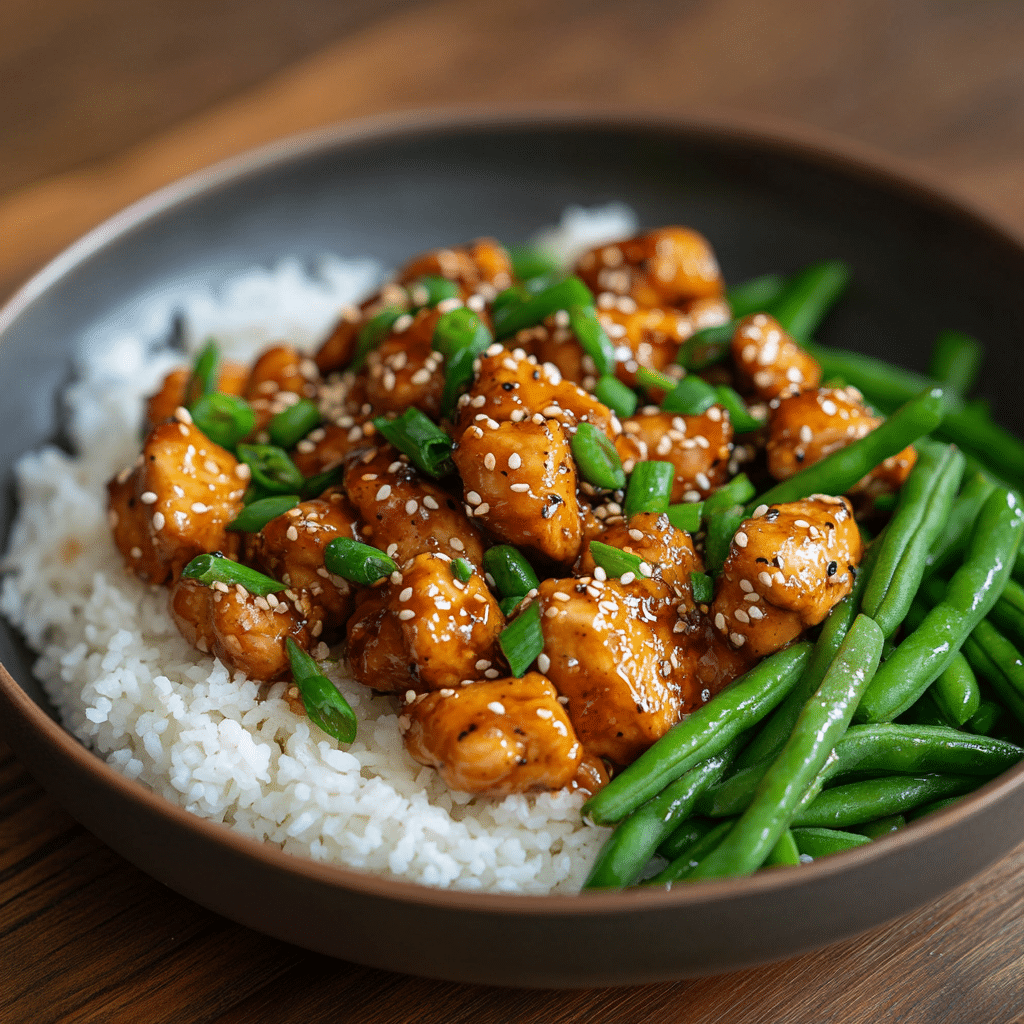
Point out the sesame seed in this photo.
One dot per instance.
(738, 639)
(489, 461)
(406, 614)
(158, 520)
(148, 498)
(405, 594)
(473, 498)
(198, 506)
(600, 574)
(626, 578)
(746, 586)
(755, 613)
(421, 376)
(645, 569)
(765, 578)
(551, 612)
(636, 535)
(720, 621)
(559, 595)
(760, 511)
(741, 541)
(292, 533)
(741, 616)
(430, 502)
(457, 544)
(392, 550)
(384, 492)
(543, 662)
(519, 488)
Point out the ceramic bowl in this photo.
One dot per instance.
(922, 262)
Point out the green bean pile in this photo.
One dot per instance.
(912, 693)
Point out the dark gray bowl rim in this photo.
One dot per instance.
(812, 146)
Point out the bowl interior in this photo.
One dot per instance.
(920, 264)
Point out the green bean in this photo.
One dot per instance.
(704, 733)
(838, 472)
(430, 290)
(629, 848)
(686, 515)
(323, 703)
(773, 735)
(755, 295)
(205, 376)
(372, 333)
(685, 864)
(620, 398)
(462, 569)
(924, 711)
(254, 517)
(224, 419)
(707, 346)
(522, 640)
(931, 808)
(272, 470)
(583, 322)
(823, 842)
(684, 836)
(530, 261)
(461, 337)
(721, 528)
(882, 826)
(858, 802)
(650, 487)
(1008, 612)
(742, 421)
(291, 425)
(984, 665)
(818, 729)
(924, 503)
(532, 309)
(956, 360)
(986, 718)
(808, 297)
(737, 491)
(972, 591)
(598, 461)
(615, 561)
(703, 587)
(956, 691)
(784, 853)
(952, 539)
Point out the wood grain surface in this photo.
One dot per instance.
(105, 100)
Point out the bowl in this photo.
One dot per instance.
(921, 261)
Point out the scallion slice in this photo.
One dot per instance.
(650, 485)
(203, 380)
(721, 526)
(324, 704)
(512, 574)
(739, 416)
(430, 290)
(462, 570)
(738, 491)
(460, 336)
(522, 640)
(596, 457)
(372, 333)
(209, 569)
(291, 425)
(508, 605)
(690, 397)
(515, 316)
(357, 562)
(224, 419)
(583, 322)
(256, 515)
(620, 398)
(271, 468)
(686, 516)
(529, 261)
(755, 295)
(703, 587)
(316, 485)
(706, 347)
(426, 444)
(617, 562)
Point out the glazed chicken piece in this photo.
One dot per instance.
(610, 649)
(291, 548)
(788, 566)
(404, 514)
(482, 266)
(768, 361)
(425, 630)
(246, 632)
(339, 347)
(279, 378)
(231, 380)
(500, 737)
(176, 502)
(328, 446)
(520, 481)
(698, 446)
(510, 385)
(807, 426)
(404, 370)
(666, 267)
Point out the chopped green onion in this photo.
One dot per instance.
(529, 261)
(512, 574)
(210, 569)
(721, 527)
(291, 425)
(316, 485)
(460, 336)
(596, 457)
(651, 379)
(357, 562)
(522, 640)
(650, 486)
(703, 587)
(686, 516)
(739, 415)
(430, 290)
(706, 347)
(372, 333)
(256, 515)
(755, 295)
(414, 433)
(507, 299)
(203, 380)
(224, 419)
(462, 570)
(617, 562)
(271, 468)
(509, 604)
(620, 398)
(324, 704)
(583, 322)
(738, 491)
(513, 317)
(690, 397)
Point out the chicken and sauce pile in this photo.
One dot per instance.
(625, 656)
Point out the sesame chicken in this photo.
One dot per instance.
(404, 370)
(425, 630)
(519, 481)
(806, 426)
(482, 266)
(291, 548)
(666, 267)
(787, 567)
(328, 446)
(176, 502)
(768, 361)
(160, 406)
(246, 632)
(501, 737)
(404, 514)
(698, 446)
(279, 378)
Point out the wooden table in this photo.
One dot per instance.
(112, 99)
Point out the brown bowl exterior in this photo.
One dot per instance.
(796, 200)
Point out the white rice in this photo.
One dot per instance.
(129, 687)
